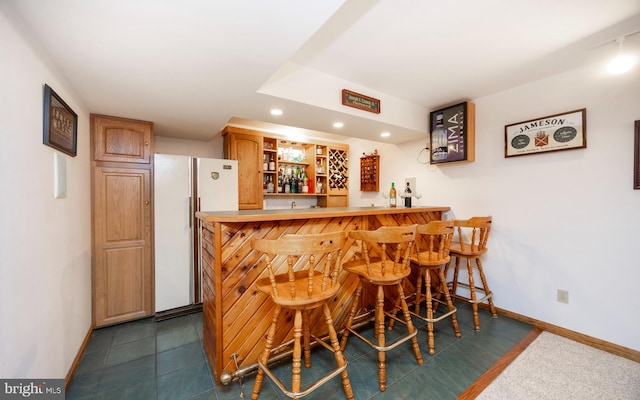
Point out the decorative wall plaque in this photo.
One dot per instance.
(60, 129)
(360, 101)
(553, 133)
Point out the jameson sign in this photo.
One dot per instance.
(556, 132)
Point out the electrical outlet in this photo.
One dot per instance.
(563, 296)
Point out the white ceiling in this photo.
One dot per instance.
(194, 66)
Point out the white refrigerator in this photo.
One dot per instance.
(182, 186)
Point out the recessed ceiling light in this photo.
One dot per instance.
(385, 134)
(338, 124)
(276, 111)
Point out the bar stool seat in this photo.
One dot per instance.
(470, 243)
(383, 261)
(302, 288)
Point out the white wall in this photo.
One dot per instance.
(191, 148)
(45, 243)
(567, 220)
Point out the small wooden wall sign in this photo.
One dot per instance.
(360, 101)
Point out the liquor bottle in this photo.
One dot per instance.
(272, 164)
(270, 187)
(280, 182)
(407, 196)
(305, 182)
(439, 149)
(265, 164)
(287, 184)
(392, 195)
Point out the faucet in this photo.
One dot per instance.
(293, 205)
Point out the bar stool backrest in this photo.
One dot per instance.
(473, 234)
(387, 248)
(434, 242)
(302, 254)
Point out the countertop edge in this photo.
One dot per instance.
(311, 213)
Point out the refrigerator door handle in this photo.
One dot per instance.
(190, 212)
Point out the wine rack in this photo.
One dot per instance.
(338, 178)
(369, 173)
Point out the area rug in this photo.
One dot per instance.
(553, 367)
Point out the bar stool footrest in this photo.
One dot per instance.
(388, 347)
(467, 299)
(332, 374)
(440, 318)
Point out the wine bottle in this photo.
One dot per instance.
(407, 196)
(392, 195)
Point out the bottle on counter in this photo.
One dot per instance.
(439, 143)
(392, 195)
(407, 196)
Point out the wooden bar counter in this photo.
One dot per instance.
(235, 315)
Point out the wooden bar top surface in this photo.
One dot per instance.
(308, 213)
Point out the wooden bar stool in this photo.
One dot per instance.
(432, 254)
(383, 262)
(301, 288)
(471, 243)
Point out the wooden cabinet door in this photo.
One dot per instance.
(121, 139)
(122, 270)
(247, 149)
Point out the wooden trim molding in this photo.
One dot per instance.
(496, 369)
(600, 344)
(77, 359)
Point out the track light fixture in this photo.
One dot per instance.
(622, 62)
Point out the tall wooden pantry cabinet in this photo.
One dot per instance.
(122, 219)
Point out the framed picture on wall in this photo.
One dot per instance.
(60, 123)
(556, 132)
(453, 134)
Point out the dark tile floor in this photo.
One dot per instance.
(165, 360)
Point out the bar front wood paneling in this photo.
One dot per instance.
(236, 316)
